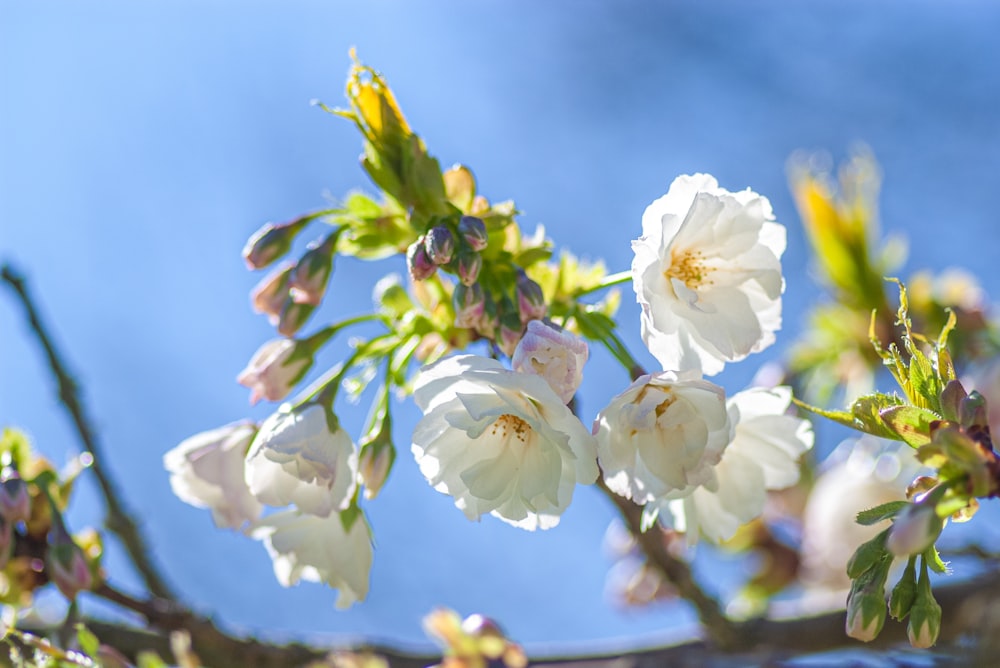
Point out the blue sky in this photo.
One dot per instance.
(141, 144)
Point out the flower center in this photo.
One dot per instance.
(507, 425)
(688, 267)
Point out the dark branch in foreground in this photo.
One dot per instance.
(118, 520)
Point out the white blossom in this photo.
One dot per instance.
(763, 455)
(662, 436)
(554, 354)
(299, 458)
(318, 549)
(707, 275)
(499, 442)
(275, 369)
(206, 470)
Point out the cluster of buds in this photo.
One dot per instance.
(476, 642)
(457, 251)
(290, 293)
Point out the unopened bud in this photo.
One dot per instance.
(866, 613)
(469, 266)
(530, 300)
(15, 500)
(293, 316)
(925, 616)
(904, 593)
(867, 555)
(914, 530)
(510, 334)
(275, 369)
(418, 262)
(374, 464)
(473, 230)
(269, 243)
(439, 245)
(470, 305)
(65, 562)
(312, 272)
(270, 294)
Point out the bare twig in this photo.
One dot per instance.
(118, 520)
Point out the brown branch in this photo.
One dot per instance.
(118, 519)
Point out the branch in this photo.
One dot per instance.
(118, 520)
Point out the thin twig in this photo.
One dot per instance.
(118, 520)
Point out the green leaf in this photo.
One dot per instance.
(88, 641)
(911, 424)
(933, 559)
(149, 659)
(881, 512)
(867, 411)
(530, 256)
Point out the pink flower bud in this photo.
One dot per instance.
(418, 262)
(469, 266)
(374, 464)
(293, 316)
(530, 300)
(439, 245)
(275, 369)
(269, 243)
(914, 530)
(15, 501)
(510, 335)
(470, 304)
(554, 354)
(271, 293)
(473, 230)
(65, 562)
(308, 281)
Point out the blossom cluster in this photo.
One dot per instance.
(505, 440)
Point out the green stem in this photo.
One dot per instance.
(329, 383)
(609, 280)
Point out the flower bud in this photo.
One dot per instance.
(473, 230)
(469, 266)
(510, 334)
(439, 245)
(270, 242)
(275, 369)
(65, 562)
(530, 300)
(15, 500)
(925, 616)
(293, 316)
(470, 304)
(904, 593)
(866, 613)
(374, 464)
(270, 294)
(914, 530)
(308, 281)
(418, 262)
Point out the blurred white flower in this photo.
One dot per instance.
(764, 453)
(206, 470)
(499, 442)
(318, 549)
(662, 436)
(554, 354)
(275, 369)
(707, 275)
(299, 458)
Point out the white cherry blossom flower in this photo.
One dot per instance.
(299, 458)
(554, 354)
(275, 369)
(318, 549)
(662, 436)
(499, 442)
(763, 455)
(707, 275)
(206, 471)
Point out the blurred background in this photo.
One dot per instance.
(141, 144)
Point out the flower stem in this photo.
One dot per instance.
(607, 282)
